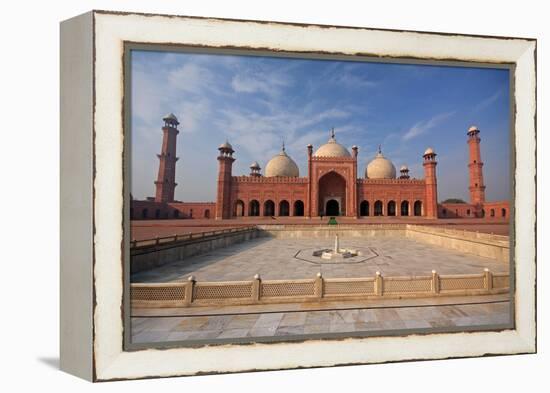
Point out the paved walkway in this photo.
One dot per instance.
(275, 259)
(246, 322)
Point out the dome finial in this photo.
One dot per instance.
(283, 144)
(332, 133)
(379, 149)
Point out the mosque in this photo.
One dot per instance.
(332, 186)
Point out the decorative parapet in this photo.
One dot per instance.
(420, 182)
(258, 291)
(333, 159)
(270, 180)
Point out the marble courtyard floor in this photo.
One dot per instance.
(275, 259)
(286, 320)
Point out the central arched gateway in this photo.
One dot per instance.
(332, 208)
(332, 195)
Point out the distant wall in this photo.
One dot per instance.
(489, 210)
(328, 232)
(151, 210)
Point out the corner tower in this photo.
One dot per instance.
(475, 166)
(166, 179)
(430, 209)
(225, 167)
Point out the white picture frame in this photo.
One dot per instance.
(92, 190)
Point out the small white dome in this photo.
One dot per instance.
(332, 149)
(404, 168)
(429, 150)
(281, 165)
(226, 145)
(380, 168)
(171, 116)
(255, 165)
(473, 128)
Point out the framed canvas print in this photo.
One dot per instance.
(248, 195)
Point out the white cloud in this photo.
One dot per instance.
(268, 83)
(147, 100)
(489, 100)
(193, 115)
(425, 125)
(261, 135)
(194, 78)
(190, 77)
(354, 81)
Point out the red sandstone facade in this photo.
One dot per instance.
(331, 187)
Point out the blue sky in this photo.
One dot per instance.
(257, 102)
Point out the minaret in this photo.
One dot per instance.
(166, 180)
(223, 200)
(310, 204)
(475, 166)
(255, 169)
(430, 207)
(354, 194)
(404, 172)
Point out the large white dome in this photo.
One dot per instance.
(380, 168)
(332, 149)
(281, 165)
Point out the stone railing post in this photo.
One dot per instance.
(256, 287)
(378, 284)
(435, 282)
(488, 280)
(319, 285)
(189, 290)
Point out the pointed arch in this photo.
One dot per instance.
(284, 208)
(239, 208)
(269, 208)
(254, 208)
(364, 208)
(298, 208)
(405, 208)
(417, 208)
(378, 208)
(391, 208)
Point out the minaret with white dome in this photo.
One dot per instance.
(475, 167)
(255, 169)
(430, 178)
(404, 170)
(166, 179)
(225, 166)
